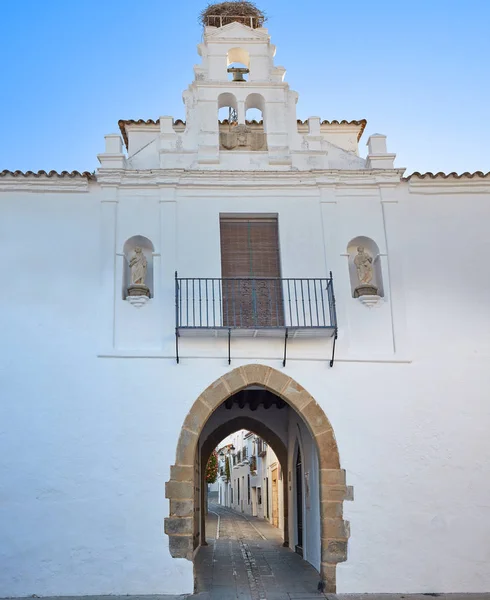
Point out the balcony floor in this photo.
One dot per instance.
(257, 332)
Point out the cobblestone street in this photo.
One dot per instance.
(245, 559)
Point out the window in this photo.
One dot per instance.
(238, 490)
(248, 488)
(250, 267)
(261, 447)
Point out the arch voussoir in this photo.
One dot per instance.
(214, 395)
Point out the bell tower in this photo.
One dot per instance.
(237, 74)
(238, 71)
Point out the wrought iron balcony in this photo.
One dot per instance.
(255, 307)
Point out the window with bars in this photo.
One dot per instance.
(250, 267)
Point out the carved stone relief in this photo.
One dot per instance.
(242, 137)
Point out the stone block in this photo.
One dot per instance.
(179, 526)
(186, 448)
(182, 490)
(215, 394)
(181, 508)
(331, 510)
(328, 576)
(255, 374)
(296, 395)
(235, 380)
(316, 418)
(333, 493)
(334, 528)
(332, 476)
(327, 450)
(180, 473)
(180, 546)
(334, 551)
(277, 381)
(197, 416)
(349, 494)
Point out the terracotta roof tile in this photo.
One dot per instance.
(123, 122)
(441, 175)
(72, 174)
(361, 123)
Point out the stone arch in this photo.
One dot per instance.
(272, 439)
(181, 488)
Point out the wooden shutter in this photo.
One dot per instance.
(250, 267)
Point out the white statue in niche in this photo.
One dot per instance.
(365, 273)
(138, 267)
(364, 265)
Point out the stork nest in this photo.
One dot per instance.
(232, 12)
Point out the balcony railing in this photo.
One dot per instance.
(255, 307)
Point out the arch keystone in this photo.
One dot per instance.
(256, 374)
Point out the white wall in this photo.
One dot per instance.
(87, 435)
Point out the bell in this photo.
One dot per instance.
(238, 73)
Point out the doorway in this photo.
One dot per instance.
(275, 499)
(269, 403)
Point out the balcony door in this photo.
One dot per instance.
(250, 268)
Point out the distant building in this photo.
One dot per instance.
(255, 484)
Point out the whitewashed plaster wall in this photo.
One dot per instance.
(87, 434)
(299, 436)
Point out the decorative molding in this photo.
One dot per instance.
(250, 179)
(371, 301)
(137, 301)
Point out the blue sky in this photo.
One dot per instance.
(417, 71)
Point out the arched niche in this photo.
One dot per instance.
(366, 277)
(129, 248)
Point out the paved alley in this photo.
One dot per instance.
(245, 559)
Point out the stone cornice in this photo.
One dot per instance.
(249, 179)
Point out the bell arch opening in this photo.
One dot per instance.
(240, 399)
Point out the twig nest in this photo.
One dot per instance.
(238, 11)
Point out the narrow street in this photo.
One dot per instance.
(245, 559)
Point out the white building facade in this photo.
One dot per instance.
(252, 482)
(370, 384)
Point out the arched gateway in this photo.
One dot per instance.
(183, 489)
